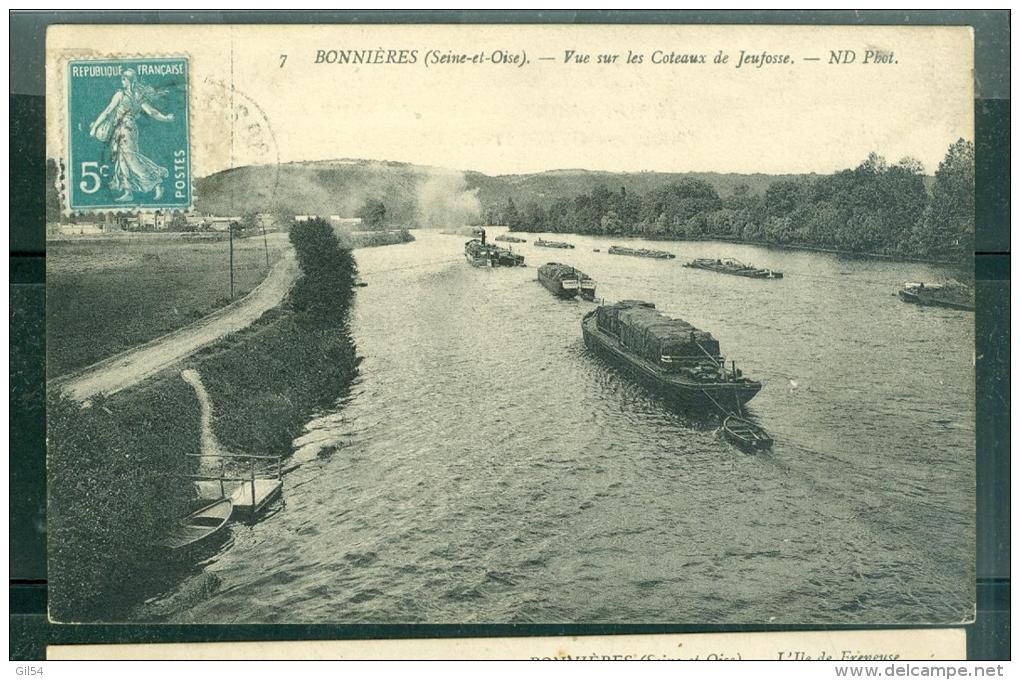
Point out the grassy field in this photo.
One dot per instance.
(103, 297)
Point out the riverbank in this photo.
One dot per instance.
(777, 246)
(373, 239)
(116, 467)
(819, 249)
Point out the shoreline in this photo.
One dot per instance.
(264, 381)
(761, 244)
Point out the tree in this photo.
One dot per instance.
(372, 214)
(249, 220)
(948, 224)
(513, 217)
(534, 217)
(323, 292)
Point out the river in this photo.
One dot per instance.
(484, 467)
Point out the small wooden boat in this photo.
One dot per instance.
(199, 526)
(745, 434)
(552, 244)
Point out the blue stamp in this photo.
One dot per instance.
(128, 139)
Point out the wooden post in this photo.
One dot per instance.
(253, 485)
(223, 492)
(230, 229)
(265, 243)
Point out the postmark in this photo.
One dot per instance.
(129, 143)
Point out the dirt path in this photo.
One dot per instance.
(135, 365)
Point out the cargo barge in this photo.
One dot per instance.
(510, 239)
(553, 244)
(641, 252)
(953, 295)
(734, 267)
(668, 356)
(565, 281)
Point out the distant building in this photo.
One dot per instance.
(195, 220)
(153, 221)
(79, 229)
(219, 223)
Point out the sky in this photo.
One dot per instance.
(250, 105)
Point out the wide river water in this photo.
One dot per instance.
(484, 467)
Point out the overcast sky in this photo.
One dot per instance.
(805, 116)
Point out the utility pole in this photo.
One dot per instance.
(265, 242)
(230, 228)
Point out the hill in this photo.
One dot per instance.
(416, 193)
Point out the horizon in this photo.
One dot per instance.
(364, 161)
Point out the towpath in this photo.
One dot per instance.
(135, 365)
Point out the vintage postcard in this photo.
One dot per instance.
(510, 324)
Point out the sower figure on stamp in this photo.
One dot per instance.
(117, 126)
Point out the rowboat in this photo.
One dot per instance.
(745, 434)
(199, 526)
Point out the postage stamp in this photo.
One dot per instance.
(128, 136)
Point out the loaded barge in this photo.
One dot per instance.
(952, 294)
(734, 267)
(565, 281)
(510, 239)
(641, 252)
(669, 356)
(553, 244)
(482, 254)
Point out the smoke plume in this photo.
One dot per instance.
(445, 201)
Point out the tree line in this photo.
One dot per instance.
(875, 208)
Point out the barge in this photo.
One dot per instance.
(952, 294)
(641, 252)
(734, 267)
(669, 356)
(565, 281)
(541, 243)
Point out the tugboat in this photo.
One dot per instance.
(641, 252)
(506, 238)
(951, 294)
(734, 267)
(482, 254)
(565, 281)
(669, 356)
(553, 244)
